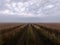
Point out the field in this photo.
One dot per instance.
(30, 34)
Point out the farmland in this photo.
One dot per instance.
(29, 34)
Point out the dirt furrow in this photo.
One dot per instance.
(14, 40)
(39, 38)
(22, 40)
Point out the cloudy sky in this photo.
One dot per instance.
(29, 11)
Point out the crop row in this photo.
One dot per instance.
(51, 30)
(47, 36)
(7, 36)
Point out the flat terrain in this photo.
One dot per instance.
(29, 33)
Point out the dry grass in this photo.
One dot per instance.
(49, 32)
(10, 31)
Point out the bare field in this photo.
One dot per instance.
(29, 33)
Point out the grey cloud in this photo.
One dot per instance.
(53, 13)
(19, 0)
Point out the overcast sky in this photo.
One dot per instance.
(29, 10)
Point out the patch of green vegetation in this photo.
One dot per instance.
(30, 36)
